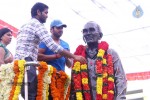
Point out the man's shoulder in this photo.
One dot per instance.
(64, 42)
(31, 24)
(32, 21)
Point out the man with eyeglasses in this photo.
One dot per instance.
(52, 58)
(103, 76)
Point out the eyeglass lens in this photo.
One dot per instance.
(88, 30)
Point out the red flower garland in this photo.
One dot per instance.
(104, 71)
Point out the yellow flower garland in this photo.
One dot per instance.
(76, 68)
(46, 80)
(104, 74)
(15, 73)
(20, 79)
(13, 79)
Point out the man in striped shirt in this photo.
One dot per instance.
(28, 39)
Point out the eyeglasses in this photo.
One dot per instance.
(91, 29)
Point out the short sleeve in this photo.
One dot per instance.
(42, 45)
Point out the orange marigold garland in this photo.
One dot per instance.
(58, 85)
(20, 79)
(68, 93)
(61, 80)
(54, 92)
(42, 68)
(16, 70)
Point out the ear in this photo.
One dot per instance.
(38, 12)
(51, 30)
(1, 38)
(100, 35)
(84, 39)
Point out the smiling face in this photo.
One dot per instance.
(91, 32)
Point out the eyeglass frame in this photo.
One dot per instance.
(89, 30)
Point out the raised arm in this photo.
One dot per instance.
(46, 38)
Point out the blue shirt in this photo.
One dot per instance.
(59, 63)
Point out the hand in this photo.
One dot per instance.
(80, 58)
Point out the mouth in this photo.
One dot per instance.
(10, 40)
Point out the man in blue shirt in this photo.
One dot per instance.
(47, 55)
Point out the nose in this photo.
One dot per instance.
(10, 37)
(47, 16)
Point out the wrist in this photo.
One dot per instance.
(74, 56)
(56, 56)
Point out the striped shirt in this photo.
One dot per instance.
(29, 37)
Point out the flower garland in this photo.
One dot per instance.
(40, 86)
(47, 74)
(58, 85)
(19, 74)
(61, 80)
(104, 73)
(67, 88)
(6, 76)
(19, 80)
(54, 91)
(16, 70)
(104, 70)
(68, 92)
(12, 77)
(80, 77)
(46, 82)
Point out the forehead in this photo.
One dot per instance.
(93, 25)
(90, 25)
(45, 10)
(8, 33)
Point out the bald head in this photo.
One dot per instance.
(92, 32)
